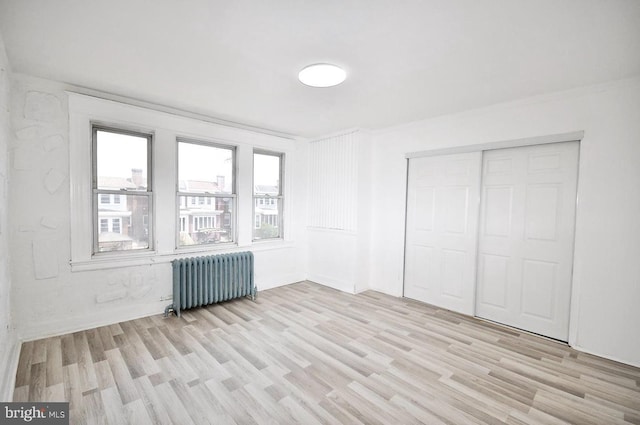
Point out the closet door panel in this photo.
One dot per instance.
(441, 234)
(525, 248)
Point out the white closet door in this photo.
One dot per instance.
(525, 250)
(442, 215)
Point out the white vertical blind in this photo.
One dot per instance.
(333, 176)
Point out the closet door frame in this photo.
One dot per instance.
(576, 136)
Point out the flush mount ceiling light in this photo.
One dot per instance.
(322, 75)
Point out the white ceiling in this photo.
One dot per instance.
(406, 60)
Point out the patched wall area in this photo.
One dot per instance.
(48, 297)
(45, 290)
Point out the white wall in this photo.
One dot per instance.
(339, 210)
(606, 281)
(8, 345)
(64, 297)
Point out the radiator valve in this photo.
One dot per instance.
(168, 310)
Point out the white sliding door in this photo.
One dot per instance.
(525, 249)
(441, 236)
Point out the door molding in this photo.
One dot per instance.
(574, 136)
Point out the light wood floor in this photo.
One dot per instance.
(306, 354)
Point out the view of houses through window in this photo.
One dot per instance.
(206, 193)
(121, 190)
(267, 195)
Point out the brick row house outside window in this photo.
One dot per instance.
(204, 219)
(122, 219)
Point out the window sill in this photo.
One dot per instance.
(198, 249)
(150, 258)
(102, 262)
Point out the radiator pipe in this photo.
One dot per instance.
(168, 310)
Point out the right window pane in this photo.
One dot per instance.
(267, 195)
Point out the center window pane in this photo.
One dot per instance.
(207, 223)
(205, 193)
(205, 169)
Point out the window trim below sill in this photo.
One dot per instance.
(112, 262)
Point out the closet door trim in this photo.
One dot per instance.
(574, 136)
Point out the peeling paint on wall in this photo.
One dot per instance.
(53, 180)
(31, 132)
(53, 142)
(45, 258)
(140, 285)
(49, 223)
(132, 285)
(106, 297)
(41, 107)
(25, 158)
(3, 198)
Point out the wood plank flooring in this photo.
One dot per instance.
(307, 354)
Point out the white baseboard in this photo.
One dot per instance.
(76, 324)
(331, 282)
(9, 366)
(265, 284)
(604, 356)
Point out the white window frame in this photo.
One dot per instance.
(200, 222)
(262, 198)
(99, 193)
(166, 127)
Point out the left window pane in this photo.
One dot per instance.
(121, 160)
(122, 190)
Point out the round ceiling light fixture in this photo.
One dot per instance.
(322, 75)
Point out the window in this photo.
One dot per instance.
(121, 190)
(206, 171)
(267, 194)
